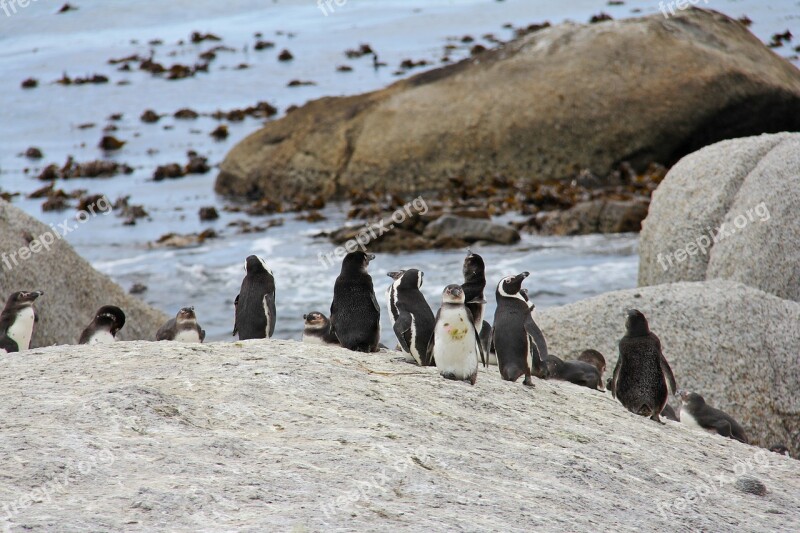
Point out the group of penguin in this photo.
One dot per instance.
(455, 340)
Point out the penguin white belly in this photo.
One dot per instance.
(689, 420)
(311, 339)
(22, 328)
(455, 349)
(187, 335)
(413, 345)
(388, 294)
(266, 314)
(101, 337)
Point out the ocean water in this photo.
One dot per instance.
(36, 42)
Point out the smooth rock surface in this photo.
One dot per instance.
(470, 230)
(281, 436)
(748, 187)
(737, 346)
(73, 290)
(545, 106)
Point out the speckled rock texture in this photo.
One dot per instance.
(748, 187)
(73, 290)
(544, 106)
(280, 436)
(737, 346)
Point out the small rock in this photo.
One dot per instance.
(263, 45)
(30, 83)
(750, 485)
(67, 7)
(109, 142)
(220, 132)
(168, 171)
(138, 288)
(150, 116)
(470, 230)
(186, 114)
(33, 153)
(285, 55)
(208, 214)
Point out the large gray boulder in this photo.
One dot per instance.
(748, 187)
(282, 436)
(737, 346)
(544, 106)
(73, 290)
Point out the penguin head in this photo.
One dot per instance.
(356, 261)
(692, 400)
(594, 358)
(111, 317)
(636, 324)
(396, 275)
(186, 315)
(780, 449)
(22, 299)
(511, 286)
(411, 279)
(473, 266)
(453, 294)
(315, 320)
(255, 265)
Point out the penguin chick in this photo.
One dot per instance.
(641, 374)
(103, 329)
(182, 328)
(317, 329)
(17, 320)
(576, 372)
(695, 412)
(455, 346)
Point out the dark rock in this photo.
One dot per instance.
(470, 230)
(208, 214)
(596, 216)
(138, 288)
(30, 83)
(169, 171)
(150, 116)
(33, 153)
(109, 143)
(285, 55)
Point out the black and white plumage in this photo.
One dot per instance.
(182, 328)
(391, 295)
(695, 412)
(414, 322)
(355, 314)
(104, 327)
(519, 343)
(474, 271)
(255, 313)
(642, 373)
(455, 346)
(317, 329)
(17, 320)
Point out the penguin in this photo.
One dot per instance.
(594, 358)
(17, 320)
(780, 449)
(255, 305)
(642, 373)
(318, 329)
(103, 329)
(577, 372)
(355, 314)
(520, 345)
(474, 271)
(670, 413)
(455, 344)
(696, 413)
(415, 321)
(182, 328)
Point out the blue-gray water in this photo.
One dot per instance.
(37, 43)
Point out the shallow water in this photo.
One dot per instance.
(36, 42)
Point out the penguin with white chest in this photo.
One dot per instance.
(182, 328)
(317, 329)
(103, 329)
(520, 345)
(474, 271)
(455, 345)
(414, 323)
(696, 413)
(17, 320)
(255, 305)
(355, 314)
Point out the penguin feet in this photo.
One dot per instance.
(657, 419)
(528, 382)
(450, 375)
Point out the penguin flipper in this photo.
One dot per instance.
(235, 315)
(479, 343)
(427, 357)
(8, 344)
(665, 368)
(402, 326)
(374, 302)
(202, 333)
(269, 302)
(538, 351)
(615, 377)
(723, 427)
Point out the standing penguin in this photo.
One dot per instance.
(317, 329)
(16, 321)
(355, 315)
(415, 321)
(474, 283)
(520, 345)
(255, 304)
(641, 374)
(695, 412)
(455, 345)
(103, 329)
(182, 328)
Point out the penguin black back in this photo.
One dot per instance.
(695, 409)
(641, 374)
(255, 305)
(355, 314)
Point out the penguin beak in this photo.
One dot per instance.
(305, 317)
(395, 275)
(523, 275)
(370, 257)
